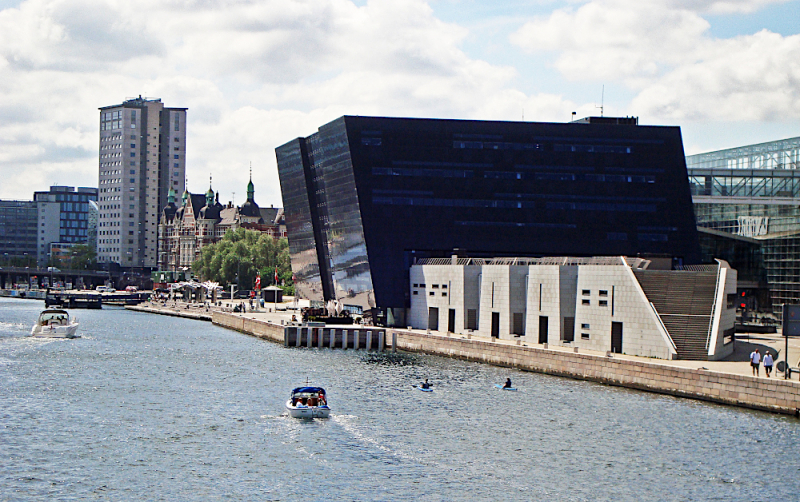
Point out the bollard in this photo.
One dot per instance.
(369, 340)
(394, 341)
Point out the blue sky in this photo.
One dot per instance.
(257, 73)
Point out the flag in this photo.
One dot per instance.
(258, 281)
(276, 275)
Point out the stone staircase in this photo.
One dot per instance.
(684, 301)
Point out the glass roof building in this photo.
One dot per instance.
(753, 192)
(365, 197)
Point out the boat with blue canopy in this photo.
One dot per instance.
(308, 402)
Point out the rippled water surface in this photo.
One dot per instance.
(147, 407)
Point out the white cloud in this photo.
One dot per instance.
(253, 74)
(662, 51)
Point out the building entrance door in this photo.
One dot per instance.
(542, 329)
(433, 319)
(616, 337)
(495, 324)
(451, 321)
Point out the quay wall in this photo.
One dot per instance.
(195, 314)
(254, 327)
(773, 395)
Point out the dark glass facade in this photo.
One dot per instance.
(17, 229)
(365, 196)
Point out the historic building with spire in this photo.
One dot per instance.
(202, 220)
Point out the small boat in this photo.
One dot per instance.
(308, 402)
(53, 323)
(423, 389)
(504, 388)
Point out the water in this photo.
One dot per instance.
(147, 407)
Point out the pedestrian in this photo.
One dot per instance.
(755, 359)
(768, 363)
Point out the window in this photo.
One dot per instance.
(604, 303)
(177, 156)
(133, 180)
(133, 154)
(585, 326)
(435, 286)
(431, 293)
(603, 292)
(585, 292)
(584, 336)
(177, 123)
(133, 171)
(422, 285)
(417, 285)
(444, 293)
(133, 145)
(176, 165)
(444, 286)
(415, 292)
(586, 302)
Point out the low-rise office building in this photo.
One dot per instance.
(615, 304)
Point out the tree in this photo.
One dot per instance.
(243, 253)
(82, 257)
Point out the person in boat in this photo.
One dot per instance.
(507, 385)
(425, 384)
(322, 399)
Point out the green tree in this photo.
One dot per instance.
(245, 253)
(82, 257)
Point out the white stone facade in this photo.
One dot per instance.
(574, 302)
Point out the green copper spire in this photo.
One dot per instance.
(171, 196)
(250, 188)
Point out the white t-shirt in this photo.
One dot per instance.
(768, 360)
(755, 357)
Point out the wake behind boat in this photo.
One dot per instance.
(53, 323)
(308, 402)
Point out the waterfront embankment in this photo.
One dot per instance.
(723, 382)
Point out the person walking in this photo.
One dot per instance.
(755, 359)
(768, 363)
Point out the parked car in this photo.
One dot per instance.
(101, 289)
(131, 289)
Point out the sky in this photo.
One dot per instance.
(255, 74)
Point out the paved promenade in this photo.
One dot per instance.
(736, 364)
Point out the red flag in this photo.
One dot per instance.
(258, 281)
(276, 274)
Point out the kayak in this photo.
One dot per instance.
(504, 388)
(419, 387)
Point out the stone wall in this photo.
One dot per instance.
(774, 395)
(254, 327)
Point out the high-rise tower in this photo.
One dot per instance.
(142, 156)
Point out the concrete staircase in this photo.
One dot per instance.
(684, 301)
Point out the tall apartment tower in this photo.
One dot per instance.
(142, 156)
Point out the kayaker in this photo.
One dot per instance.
(426, 385)
(507, 384)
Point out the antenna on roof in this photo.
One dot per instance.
(602, 98)
(233, 198)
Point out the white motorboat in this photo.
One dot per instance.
(54, 323)
(308, 402)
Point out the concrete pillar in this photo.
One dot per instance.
(356, 338)
(299, 336)
(369, 340)
(394, 341)
(381, 341)
(286, 337)
(344, 339)
(321, 339)
(333, 338)
(310, 339)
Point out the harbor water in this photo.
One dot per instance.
(147, 407)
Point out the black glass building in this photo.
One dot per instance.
(365, 196)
